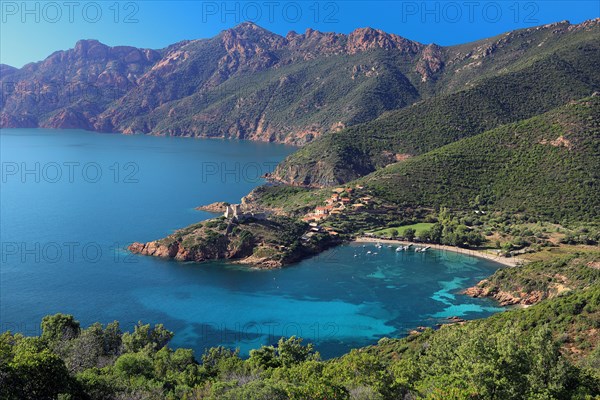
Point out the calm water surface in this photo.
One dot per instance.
(72, 200)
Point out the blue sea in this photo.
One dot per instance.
(71, 201)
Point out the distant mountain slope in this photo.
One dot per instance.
(246, 82)
(293, 103)
(547, 82)
(548, 165)
(69, 88)
(250, 83)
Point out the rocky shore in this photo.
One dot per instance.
(222, 248)
(486, 289)
(218, 207)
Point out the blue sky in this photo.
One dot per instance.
(30, 31)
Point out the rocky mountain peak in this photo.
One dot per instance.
(363, 39)
(291, 35)
(247, 26)
(90, 48)
(248, 36)
(250, 30)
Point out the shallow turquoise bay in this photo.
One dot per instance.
(63, 239)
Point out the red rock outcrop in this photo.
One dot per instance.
(486, 289)
(364, 39)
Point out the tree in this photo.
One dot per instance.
(85, 351)
(134, 364)
(287, 353)
(112, 339)
(145, 337)
(59, 327)
(409, 234)
(218, 359)
(548, 374)
(265, 357)
(435, 233)
(291, 351)
(37, 373)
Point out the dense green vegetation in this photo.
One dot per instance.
(546, 166)
(539, 86)
(549, 279)
(447, 230)
(547, 351)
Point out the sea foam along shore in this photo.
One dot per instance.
(509, 262)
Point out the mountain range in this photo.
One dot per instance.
(358, 102)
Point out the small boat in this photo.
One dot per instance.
(409, 246)
(369, 252)
(405, 248)
(389, 246)
(424, 249)
(375, 253)
(399, 249)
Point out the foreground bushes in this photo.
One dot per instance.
(512, 355)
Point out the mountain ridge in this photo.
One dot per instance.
(250, 83)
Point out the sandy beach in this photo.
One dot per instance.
(509, 262)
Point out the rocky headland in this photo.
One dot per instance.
(263, 243)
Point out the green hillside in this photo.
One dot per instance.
(547, 166)
(536, 87)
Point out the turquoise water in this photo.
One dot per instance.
(66, 220)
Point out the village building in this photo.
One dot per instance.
(321, 211)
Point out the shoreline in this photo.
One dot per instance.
(508, 262)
